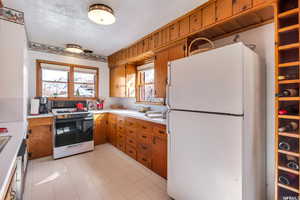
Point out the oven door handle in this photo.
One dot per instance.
(67, 120)
(88, 118)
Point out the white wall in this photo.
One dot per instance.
(103, 71)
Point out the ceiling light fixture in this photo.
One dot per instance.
(74, 48)
(101, 14)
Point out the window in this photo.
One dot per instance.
(145, 84)
(60, 80)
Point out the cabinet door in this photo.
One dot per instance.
(161, 72)
(100, 128)
(174, 31)
(151, 42)
(241, 5)
(184, 27)
(130, 80)
(40, 141)
(120, 74)
(223, 9)
(196, 21)
(159, 156)
(140, 48)
(257, 2)
(112, 133)
(166, 35)
(209, 14)
(156, 38)
(177, 52)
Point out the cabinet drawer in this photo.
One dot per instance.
(44, 121)
(160, 131)
(144, 149)
(145, 127)
(131, 151)
(121, 137)
(144, 138)
(131, 141)
(131, 133)
(112, 118)
(144, 160)
(131, 123)
(120, 129)
(121, 145)
(120, 120)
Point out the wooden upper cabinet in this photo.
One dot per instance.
(196, 21)
(117, 81)
(140, 47)
(241, 5)
(174, 31)
(209, 14)
(257, 2)
(177, 52)
(156, 39)
(165, 35)
(130, 80)
(223, 9)
(134, 50)
(151, 43)
(146, 45)
(161, 73)
(184, 26)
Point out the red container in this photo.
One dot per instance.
(80, 106)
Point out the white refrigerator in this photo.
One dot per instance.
(216, 126)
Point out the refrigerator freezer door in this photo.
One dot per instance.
(205, 156)
(210, 81)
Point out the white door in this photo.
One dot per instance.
(205, 156)
(210, 81)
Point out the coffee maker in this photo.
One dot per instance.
(44, 107)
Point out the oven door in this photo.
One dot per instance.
(73, 131)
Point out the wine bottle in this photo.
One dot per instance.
(287, 77)
(292, 164)
(288, 93)
(290, 127)
(288, 144)
(288, 179)
(289, 110)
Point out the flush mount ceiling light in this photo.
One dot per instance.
(73, 48)
(101, 14)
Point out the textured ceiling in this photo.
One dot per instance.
(57, 22)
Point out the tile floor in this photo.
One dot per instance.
(104, 174)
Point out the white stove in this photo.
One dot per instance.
(73, 133)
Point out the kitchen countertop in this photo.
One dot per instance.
(9, 154)
(128, 113)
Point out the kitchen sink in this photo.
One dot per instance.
(3, 141)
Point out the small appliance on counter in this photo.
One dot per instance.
(44, 105)
(34, 106)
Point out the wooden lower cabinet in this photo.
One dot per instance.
(159, 156)
(40, 137)
(143, 141)
(100, 128)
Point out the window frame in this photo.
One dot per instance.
(70, 83)
(140, 83)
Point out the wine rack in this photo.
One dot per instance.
(287, 75)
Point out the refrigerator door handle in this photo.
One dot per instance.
(168, 122)
(168, 86)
